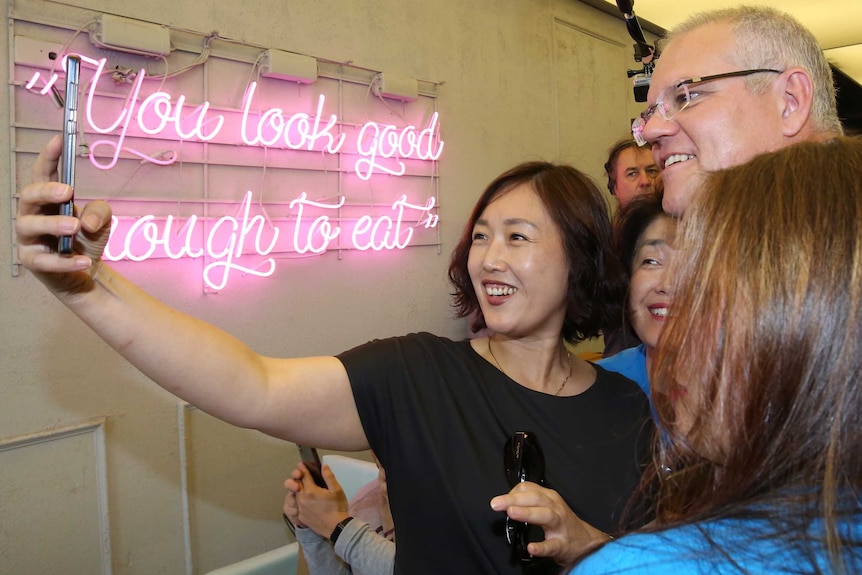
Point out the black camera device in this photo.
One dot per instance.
(644, 53)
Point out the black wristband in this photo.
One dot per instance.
(339, 528)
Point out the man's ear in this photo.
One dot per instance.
(797, 95)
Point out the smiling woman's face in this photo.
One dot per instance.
(518, 265)
(650, 285)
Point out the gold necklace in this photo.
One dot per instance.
(562, 385)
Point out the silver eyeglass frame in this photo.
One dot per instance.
(668, 113)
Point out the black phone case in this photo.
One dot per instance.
(311, 459)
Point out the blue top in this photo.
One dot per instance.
(720, 547)
(631, 363)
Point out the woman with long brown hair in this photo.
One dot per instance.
(757, 378)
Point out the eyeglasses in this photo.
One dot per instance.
(523, 461)
(676, 98)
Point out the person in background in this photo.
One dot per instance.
(534, 260)
(644, 239)
(756, 379)
(338, 537)
(731, 84)
(631, 171)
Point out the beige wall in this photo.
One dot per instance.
(100, 470)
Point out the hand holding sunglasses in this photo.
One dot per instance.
(523, 461)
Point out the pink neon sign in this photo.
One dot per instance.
(381, 149)
(231, 238)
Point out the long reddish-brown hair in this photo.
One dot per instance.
(757, 377)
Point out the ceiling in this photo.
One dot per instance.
(837, 24)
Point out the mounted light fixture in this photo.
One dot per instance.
(395, 87)
(289, 66)
(130, 35)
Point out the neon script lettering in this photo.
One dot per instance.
(224, 242)
(381, 147)
(230, 242)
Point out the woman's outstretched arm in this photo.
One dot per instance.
(293, 399)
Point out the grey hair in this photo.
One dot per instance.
(768, 38)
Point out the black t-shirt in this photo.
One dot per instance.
(438, 415)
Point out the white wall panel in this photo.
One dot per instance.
(53, 502)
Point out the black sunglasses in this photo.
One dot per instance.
(523, 460)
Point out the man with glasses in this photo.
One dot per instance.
(731, 84)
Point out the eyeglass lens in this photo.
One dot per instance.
(671, 101)
(676, 98)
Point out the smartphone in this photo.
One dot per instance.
(311, 459)
(70, 143)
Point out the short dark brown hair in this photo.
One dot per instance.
(629, 223)
(580, 212)
(614, 155)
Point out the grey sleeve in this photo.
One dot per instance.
(367, 552)
(318, 554)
